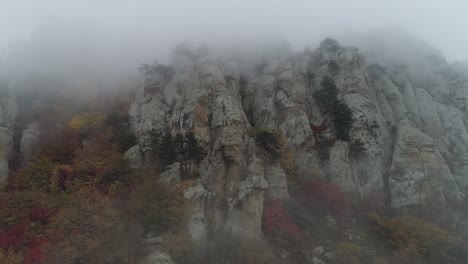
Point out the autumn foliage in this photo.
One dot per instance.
(326, 197)
(277, 224)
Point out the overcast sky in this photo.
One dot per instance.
(158, 25)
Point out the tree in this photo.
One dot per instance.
(178, 143)
(327, 98)
(267, 140)
(166, 152)
(333, 67)
(81, 226)
(342, 120)
(192, 148)
(330, 44)
(156, 206)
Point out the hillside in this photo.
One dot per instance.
(225, 156)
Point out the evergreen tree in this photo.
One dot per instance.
(179, 146)
(166, 151)
(193, 150)
(328, 100)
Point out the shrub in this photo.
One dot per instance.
(100, 162)
(10, 257)
(326, 197)
(277, 224)
(349, 253)
(36, 176)
(18, 239)
(156, 206)
(409, 232)
(86, 220)
(58, 144)
(17, 206)
(85, 123)
(267, 140)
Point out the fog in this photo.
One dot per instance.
(106, 38)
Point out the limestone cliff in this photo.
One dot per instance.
(8, 112)
(408, 138)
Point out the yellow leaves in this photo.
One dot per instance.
(87, 121)
(156, 206)
(349, 253)
(10, 257)
(82, 225)
(409, 232)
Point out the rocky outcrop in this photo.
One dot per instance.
(8, 112)
(28, 142)
(408, 137)
(419, 174)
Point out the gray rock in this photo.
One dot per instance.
(316, 260)
(158, 257)
(318, 251)
(172, 175)
(330, 256)
(419, 174)
(330, 221)
(135, 157)
(29, 141)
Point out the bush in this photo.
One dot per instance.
(348, 253)
(326, 197)
(278, 225)
(10, 257)
(81, 227)
(100, 162)
(267, 140)
(410, 232)
(58, 144)
(156, 206)
(36, 176)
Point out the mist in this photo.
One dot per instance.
(108, 40)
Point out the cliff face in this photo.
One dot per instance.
(408, 138)
(8, 112)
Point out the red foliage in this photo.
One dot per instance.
(372, 203)
(15, 237)
(59, 144)
(328, 195)
(33, 255)
(42, 215)
(19, 239)
(318, 130)
(277, 223)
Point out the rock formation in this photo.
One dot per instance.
(408, 138)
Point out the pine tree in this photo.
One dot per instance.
(328, 100)
(193, 150)
(179, 146)
(167, 154)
